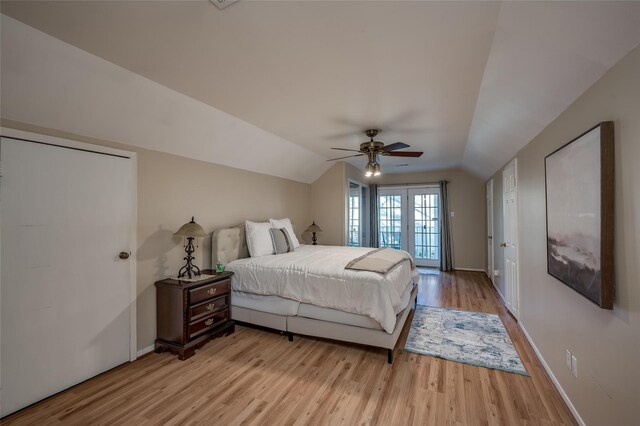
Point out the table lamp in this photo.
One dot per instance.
(191, 230)
(313, 228)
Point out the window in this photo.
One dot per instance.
(357, 210)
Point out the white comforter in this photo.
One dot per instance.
(316, 275)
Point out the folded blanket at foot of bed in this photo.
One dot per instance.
(380, 261)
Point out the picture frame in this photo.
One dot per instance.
(580, 198)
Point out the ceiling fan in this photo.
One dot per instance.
(372, 149)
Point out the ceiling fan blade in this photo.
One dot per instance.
(348, 156)
(403, 154)
(394, 146)
(346, 149)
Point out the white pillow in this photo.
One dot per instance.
(286, 224)
(258, 238)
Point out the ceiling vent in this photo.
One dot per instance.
(221, 4)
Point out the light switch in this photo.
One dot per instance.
(452, 214)
(574, 365)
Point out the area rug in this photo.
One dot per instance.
(470, 337)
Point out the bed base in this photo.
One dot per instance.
(329, 330)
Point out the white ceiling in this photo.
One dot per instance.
(467, 82)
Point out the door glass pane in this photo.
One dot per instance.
(426, 227)
(354, 215)
(390, 221)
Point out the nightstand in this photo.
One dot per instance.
(189, 314)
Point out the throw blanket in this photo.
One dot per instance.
(380, 261)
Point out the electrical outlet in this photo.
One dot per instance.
(496, 273)
(569, 356)
(574, 365)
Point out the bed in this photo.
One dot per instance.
(309, 292)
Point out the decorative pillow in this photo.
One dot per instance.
(286, 224)
(281, 240)
(258, 238)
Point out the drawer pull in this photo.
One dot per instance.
(209, 321)
(212, 291)
(210, 307)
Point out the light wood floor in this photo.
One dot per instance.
(258, 377)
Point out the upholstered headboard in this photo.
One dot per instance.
(227, 245)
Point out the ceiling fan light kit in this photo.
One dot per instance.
(372, 149)
(368, 170)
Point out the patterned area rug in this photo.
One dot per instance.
(471, 337)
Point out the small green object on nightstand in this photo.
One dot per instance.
(219, 268)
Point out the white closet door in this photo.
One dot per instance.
(65, 215)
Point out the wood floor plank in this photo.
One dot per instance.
(256, 377)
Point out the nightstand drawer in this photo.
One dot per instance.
(208, 291)
(207, 307)
(207, 323)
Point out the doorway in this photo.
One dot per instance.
(490, 261)
(408, 219)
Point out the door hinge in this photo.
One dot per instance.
(1, 171)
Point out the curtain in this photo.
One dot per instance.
(446, 259)
(373, 215)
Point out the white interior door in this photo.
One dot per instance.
(65, 216)
(424, 225)
(392, 218)
(490, 262)
(510, 243)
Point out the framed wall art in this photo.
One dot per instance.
(579, 182)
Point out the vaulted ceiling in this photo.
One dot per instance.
(469, 83)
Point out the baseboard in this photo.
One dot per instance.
(145, 351)
(555, 381)
(504, 301)
(469, 269)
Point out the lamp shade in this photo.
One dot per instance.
(313, 228)
(191, 229)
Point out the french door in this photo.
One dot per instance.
(408, 219)
(392, 218)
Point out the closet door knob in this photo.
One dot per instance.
(123, 255)
(503, 244)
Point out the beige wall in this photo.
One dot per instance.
(328, 205)
(606, 343)
(467, 200)
(170, 190)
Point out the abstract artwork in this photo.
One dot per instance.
(580, 203)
